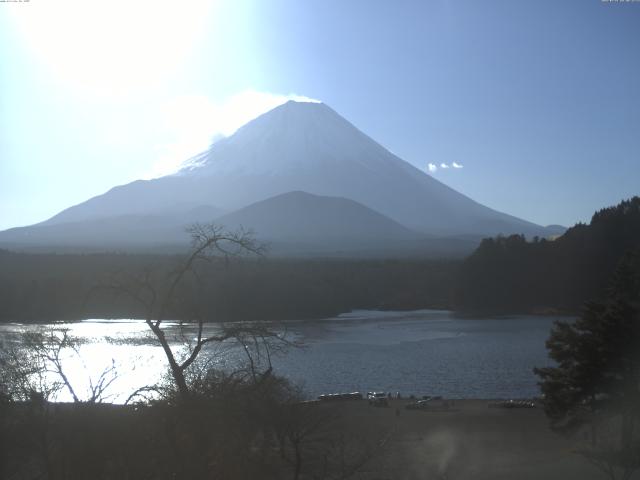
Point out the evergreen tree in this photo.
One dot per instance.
(597, 377)
(510, 274)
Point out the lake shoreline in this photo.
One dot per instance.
(427, 352)
(459, 313)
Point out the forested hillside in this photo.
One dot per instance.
(42, 287)
(511, 274)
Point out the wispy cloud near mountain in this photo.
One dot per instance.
(193, 122)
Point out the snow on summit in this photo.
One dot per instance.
(290, 137)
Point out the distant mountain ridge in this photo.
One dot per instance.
(303, 216)
(117, 231)
(296, 147)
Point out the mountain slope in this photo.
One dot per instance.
(300, 216)
(303, 147)
(307, 147)
(301, 224)
(116, 231)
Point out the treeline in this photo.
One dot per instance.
(504, 274)
(44, 287)
(511, 274)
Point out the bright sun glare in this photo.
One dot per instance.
(115, 47)
(119, 49)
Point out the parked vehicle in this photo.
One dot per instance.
(512, 404)
(419, 405)
(432, 403)
(328, 397)
(378, 399)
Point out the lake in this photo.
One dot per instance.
(418, 352)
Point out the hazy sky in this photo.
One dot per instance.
(538, 101)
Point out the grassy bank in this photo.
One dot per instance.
(242, 440)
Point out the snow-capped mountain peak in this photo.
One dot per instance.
(307, 147)
(292, 137)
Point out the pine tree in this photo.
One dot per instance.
(596, 380)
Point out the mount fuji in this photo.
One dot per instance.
(343, 180)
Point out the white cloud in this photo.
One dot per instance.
(192, 122)
(432, 167)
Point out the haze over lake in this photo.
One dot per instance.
(418, 352)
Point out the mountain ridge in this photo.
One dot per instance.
(302, 147)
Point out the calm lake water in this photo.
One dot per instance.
(419, 352)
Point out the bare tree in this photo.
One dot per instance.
(21, 372)
(297, 425)
(315, 443)
(182, 290)
(617, 459)
(34, 367)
